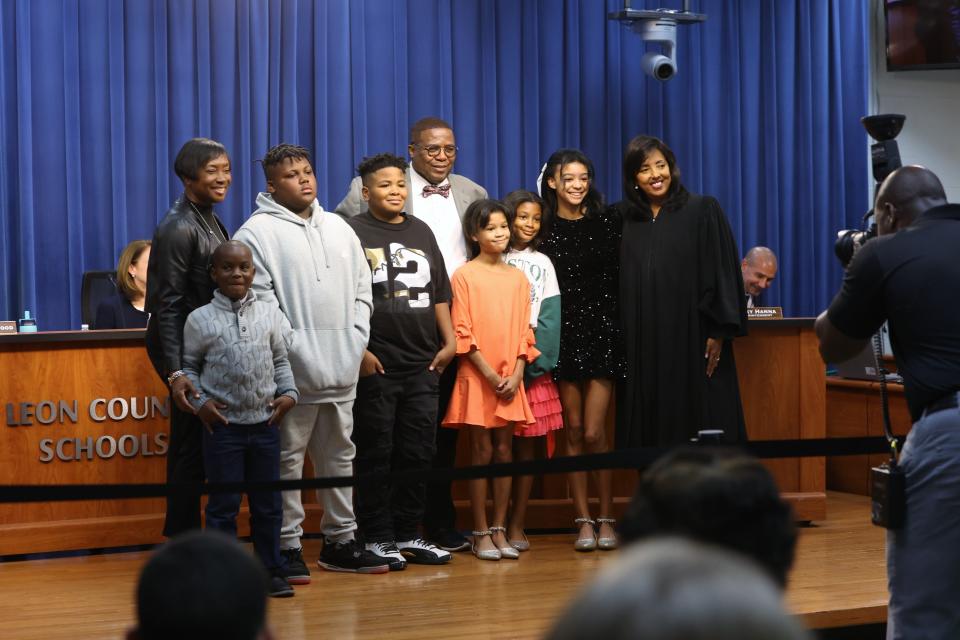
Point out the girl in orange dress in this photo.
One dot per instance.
(491, 318)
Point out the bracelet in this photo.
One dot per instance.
(176, 374)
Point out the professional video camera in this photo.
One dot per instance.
(885, 155)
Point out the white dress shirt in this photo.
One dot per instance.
(441, 216)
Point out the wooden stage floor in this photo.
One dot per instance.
(839, 580)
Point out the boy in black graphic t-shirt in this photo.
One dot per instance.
(411, 342)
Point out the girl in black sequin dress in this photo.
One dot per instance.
(583, 240)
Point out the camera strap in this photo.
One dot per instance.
(884, 400)
(888, 485)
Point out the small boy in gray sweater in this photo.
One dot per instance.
(235, 353)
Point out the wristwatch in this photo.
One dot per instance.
(176, 374)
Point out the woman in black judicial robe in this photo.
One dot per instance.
(682, 303)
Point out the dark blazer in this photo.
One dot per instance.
(116, 312)
(178, 281)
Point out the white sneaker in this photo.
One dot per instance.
(419, 551)
(389, 552)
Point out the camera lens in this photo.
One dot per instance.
(849, 240)
(664, 71)
(658, 66)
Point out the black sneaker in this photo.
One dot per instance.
(279, 587)
(295, 571)
(449, 540)
(389, 552)
(419, 551)
(351, 557)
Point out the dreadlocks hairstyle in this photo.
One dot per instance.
(280, 154)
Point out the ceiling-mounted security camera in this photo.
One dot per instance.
(662, 31)
(658, 26)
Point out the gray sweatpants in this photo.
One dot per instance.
(324, 430)
(923, 558)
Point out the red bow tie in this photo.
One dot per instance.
(430, 189)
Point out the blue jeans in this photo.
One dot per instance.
(923, 557)
(237, 453)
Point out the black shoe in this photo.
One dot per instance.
(419, 551)
(295, 571)
(351, 557)
(449, 540)
(279, 587)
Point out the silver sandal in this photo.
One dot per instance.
(607, 543)
(585, 544)
(523, 544)
(508, 551)
(489, 554)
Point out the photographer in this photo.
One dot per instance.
(910, 276)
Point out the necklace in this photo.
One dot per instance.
(218, 235)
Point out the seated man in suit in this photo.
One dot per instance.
(759, 268)
(439, 198)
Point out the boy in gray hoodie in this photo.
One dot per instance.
(310, 263)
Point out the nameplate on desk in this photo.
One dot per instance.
(765, 313)
(8, 326)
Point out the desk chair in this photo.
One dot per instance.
(97, 286)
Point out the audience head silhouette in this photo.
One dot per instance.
(201, 585)
(675, 589)
(718, 497)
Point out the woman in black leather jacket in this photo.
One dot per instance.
(178, 282)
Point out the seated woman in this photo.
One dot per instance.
(124, 310)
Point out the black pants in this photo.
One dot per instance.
(394, 419)
(184, 455)
(440, 514)
(184, 464)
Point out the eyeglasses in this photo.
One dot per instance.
(434, 150)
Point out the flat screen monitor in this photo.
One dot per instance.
(922, 34)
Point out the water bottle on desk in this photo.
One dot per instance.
(28, 324)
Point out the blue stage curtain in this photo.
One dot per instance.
(96, 97)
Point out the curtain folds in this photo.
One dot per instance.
(96, 97)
